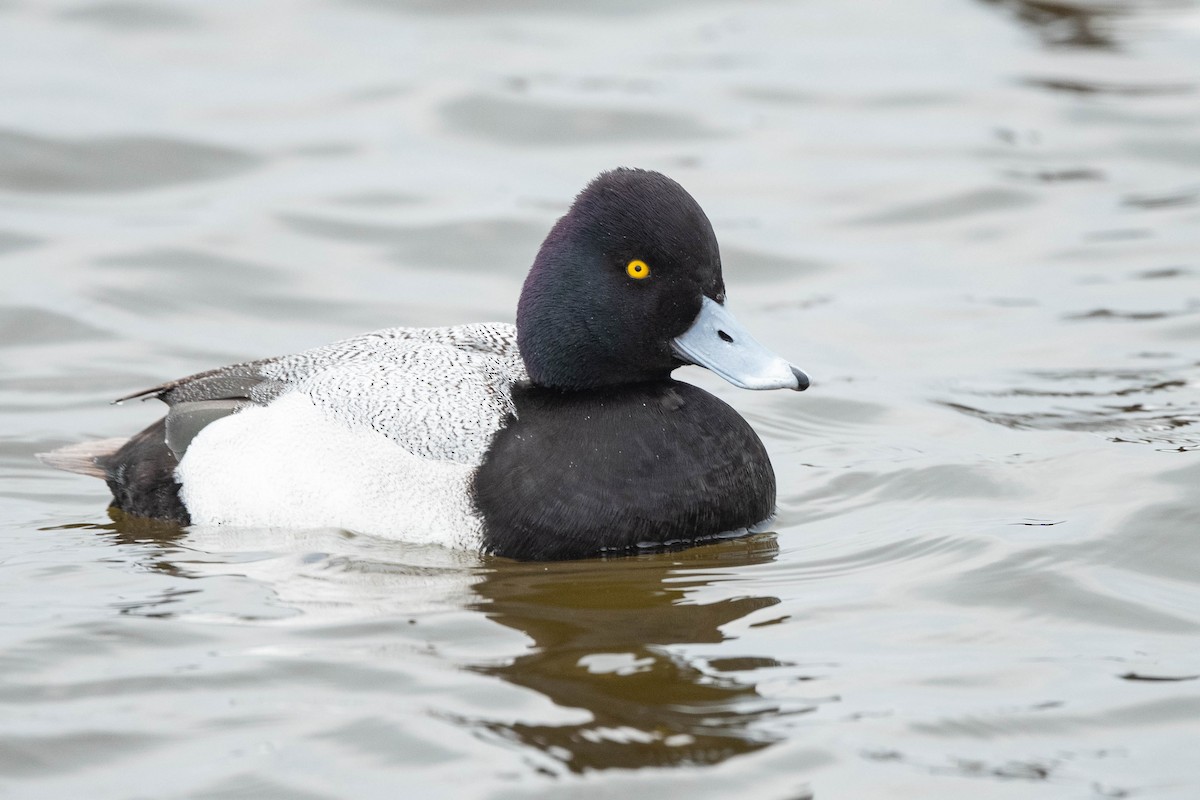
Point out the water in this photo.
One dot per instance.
(976, 224)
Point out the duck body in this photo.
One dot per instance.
(380, 433)
(652, 464)
(561, 437)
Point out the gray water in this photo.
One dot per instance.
(976, 224)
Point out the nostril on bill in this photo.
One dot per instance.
(725, 336)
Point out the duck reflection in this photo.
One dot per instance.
(600, 631)
(603, 632)
(161, 536)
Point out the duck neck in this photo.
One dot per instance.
(568, 350)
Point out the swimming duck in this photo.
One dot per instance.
(561, 437)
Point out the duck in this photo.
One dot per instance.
(563, 436)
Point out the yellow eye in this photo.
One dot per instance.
(637, 269)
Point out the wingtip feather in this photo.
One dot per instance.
(82, 458)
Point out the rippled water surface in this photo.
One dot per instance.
(976, 223)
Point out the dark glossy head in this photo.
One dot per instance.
(583, 320)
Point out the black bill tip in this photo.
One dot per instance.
(802, 381)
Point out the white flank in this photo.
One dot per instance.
(294, 464)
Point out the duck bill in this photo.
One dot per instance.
(718, 342)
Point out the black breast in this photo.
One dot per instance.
(581, 473)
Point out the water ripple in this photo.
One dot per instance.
(1148, 406)
(43, 164)
(524, 123)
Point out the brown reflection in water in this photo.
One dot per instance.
(1082, 87)
(599, 629)
(141, 530)
(128, 530)
(161, 538)
(1066, 24)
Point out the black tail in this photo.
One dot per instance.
(139, 471)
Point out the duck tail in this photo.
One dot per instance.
(85, 458)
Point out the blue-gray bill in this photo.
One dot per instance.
(718, 341)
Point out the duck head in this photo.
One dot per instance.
(627, 287)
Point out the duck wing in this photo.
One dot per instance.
(439, 393)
